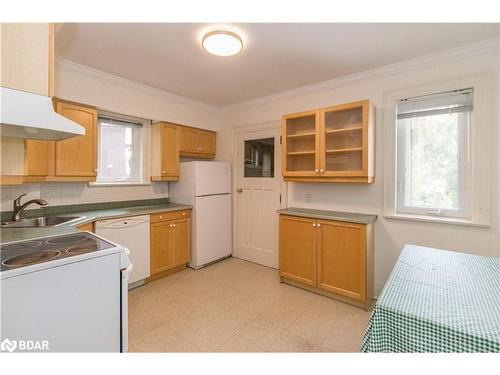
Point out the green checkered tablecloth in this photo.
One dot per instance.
(437, 301)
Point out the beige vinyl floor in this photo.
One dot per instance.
(238, 306)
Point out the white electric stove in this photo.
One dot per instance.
(67, 292)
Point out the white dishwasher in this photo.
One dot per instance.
(132, 233)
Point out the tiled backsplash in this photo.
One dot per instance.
(58, 194)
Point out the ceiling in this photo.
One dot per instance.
(276, 57)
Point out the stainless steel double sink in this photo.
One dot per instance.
(40, 222)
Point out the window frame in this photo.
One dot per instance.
(140, 145)
(464, 139)
(480, 145)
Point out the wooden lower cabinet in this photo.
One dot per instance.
(333, 258)
(87, 227)
(298, 249)
(170, 245)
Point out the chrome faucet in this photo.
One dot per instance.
(19, 208)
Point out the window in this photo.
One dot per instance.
(433, 148)
(259, 158)
(120, 151)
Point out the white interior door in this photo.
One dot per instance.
(258, 195)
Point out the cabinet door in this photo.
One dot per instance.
(27, 57)
(206, 142)
(298, 257)
(181, 238)
(344, 140)
(189, 139)
(342, 258)
(169, 151)
(76, 156)
(301, 144)
(161, 246)
(40, 157)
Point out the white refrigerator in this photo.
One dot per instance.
(206, 185)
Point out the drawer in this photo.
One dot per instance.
(170, 215)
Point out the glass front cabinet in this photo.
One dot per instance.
(334, 144)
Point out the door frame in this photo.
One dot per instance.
(236, 133)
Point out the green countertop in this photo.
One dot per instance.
(350, 217)
(17, 234)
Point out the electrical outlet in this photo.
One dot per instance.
(308, 198)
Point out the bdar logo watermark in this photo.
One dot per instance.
(11, 346)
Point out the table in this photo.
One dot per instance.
(437, 301)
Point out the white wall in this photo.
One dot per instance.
(106, 92)
(390, 235)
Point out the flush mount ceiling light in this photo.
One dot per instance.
(222, 43)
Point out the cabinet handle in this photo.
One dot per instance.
(183, 214)
(316, 170)
(173, 225)
(321, 170)
(314, 225)
(170, 225)
(318, 225)
(163, 172)
(161, 217)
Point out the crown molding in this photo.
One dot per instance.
(98, 75)
(470, 50)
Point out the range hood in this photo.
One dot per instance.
(31, 116)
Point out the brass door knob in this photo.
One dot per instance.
(239, 190)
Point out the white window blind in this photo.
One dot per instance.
(433, 162)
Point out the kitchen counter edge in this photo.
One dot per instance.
(19, 234)
(350, 217)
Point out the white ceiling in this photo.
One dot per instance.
(276, 57)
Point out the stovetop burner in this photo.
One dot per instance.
(25, 245)
(25, 253)
(68, 239)
(31, 258)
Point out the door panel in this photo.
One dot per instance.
(342, 259)
(344, 130)
(206, 142)
(258, 192)
(38, 158)
(301, 144)
(298, 249)
(161, 246)
(189, 139)
(181, 238)
(169, 151)
(76, 156)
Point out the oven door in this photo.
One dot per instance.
(125, 273)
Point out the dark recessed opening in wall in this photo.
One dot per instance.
(259, 157)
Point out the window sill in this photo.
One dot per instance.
(440, 220)
(115, 184)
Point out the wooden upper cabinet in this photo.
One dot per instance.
(342, 259)
(206, 142)
(189, 139)
(297, 247)
(77, 156)
(164, 152)
(301, 144)
(27, 58)
(334, 144)
(40, 157)
(197, 142)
